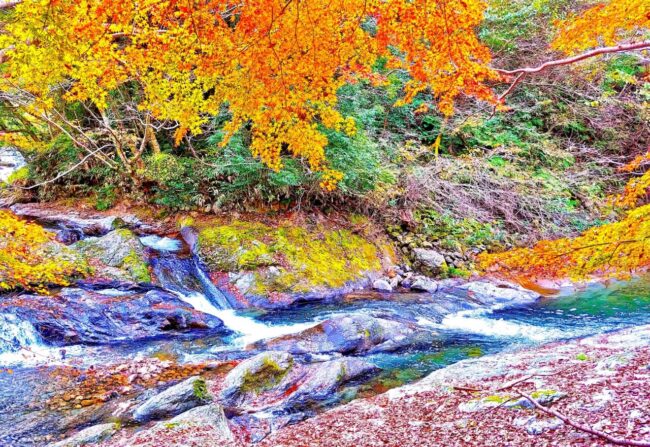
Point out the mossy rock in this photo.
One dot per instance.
(121, 254)
(289, 258)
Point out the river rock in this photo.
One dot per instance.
(429, 261)
(275, 383)
(90, 435)
(257, 373)
(490, 294)
(382, 285)
(120, 252)
(76, 316)
(173, 401)
(352, 334)
(424, 284)
(90, 223)
(211, 415)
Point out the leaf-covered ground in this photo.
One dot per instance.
(605, 380)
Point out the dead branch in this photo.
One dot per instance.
(581, 427)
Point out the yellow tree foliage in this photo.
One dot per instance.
(275, 65)
(612, 250)
(605, 24)
(30, 259)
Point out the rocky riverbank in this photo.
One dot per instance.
(597, 382)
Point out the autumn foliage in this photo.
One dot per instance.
(274, 65)
(30, 259)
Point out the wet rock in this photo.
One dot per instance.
(353, 334)
(424, 284)
(69, 237)
(487, 293)
(76, 316)
(275, 383)
(173, 401)
(90, 435)
(382, 285)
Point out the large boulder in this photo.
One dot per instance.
(173, 401)
(278, 264)
(88, 436)
(76, 316)
(352, 334)
(276, 383)
(429, 261)
(258, 374)
(118, 255)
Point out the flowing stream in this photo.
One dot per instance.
(461, 334)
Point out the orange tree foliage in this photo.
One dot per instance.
(275, 65)
(30, 258)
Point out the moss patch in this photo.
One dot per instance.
(288, 258)
(200, 390)
(136, 267)
(268, 376)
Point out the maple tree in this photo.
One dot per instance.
(274, 65)
(30, 258)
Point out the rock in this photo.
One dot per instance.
(173, 401)
(76, 316)
(352, 334)
(275, 383)
(69, 237)
(429, 260)
(206, 415)
(256, 374)
(120, 249)
(535, 426)
(90, 223)
(424, 284)
(383, 285)
(489, 294)
(90, 435)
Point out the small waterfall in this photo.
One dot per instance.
(186, 278)
(21, 344)
(210, 290)
(16, 334)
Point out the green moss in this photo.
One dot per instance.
(200, 389)
(543, 393)
(498, 399)
(303, 259)
(18, 175)
(582, 357)
(136, 267)
(266, 378)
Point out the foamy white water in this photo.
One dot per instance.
(250, 329)
(20, 344)
(10, 161)
(478, 322)
(161, 243)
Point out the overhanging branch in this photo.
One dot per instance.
(520, 73)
